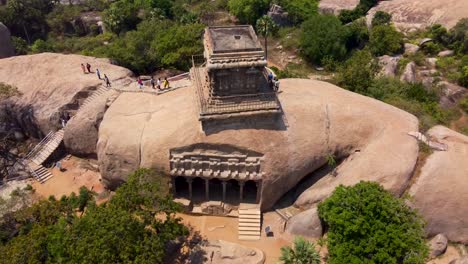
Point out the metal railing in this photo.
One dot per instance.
(39, 145)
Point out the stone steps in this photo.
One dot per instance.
(40, 173)
(249, 222)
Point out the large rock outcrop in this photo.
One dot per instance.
(320, 119)
(51, 83)
(306, 223)
(418, 14)
(6, 47)
(440, 192)
(223, 252)
(335, 6)
(81, 132)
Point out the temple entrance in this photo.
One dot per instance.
(232, 192)
(198, 189)
(250, 192)
(216, 190)
(181, 188)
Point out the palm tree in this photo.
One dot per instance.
(303, 253)
(266, 26)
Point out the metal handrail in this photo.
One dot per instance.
(41, 143)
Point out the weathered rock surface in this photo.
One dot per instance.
(451, 94)
(51, 83)
(445, 53)
(306, 223)
(462, 260)
(223, 252)
(6, 47)
(335, 6)
(140, 130)
(81, 132)
(411, 48)
(389, 65)
(438, 245)
(418, 14)
(409, 74)
(440, 190)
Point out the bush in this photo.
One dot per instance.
(367, 224)
(358, 34)
(300, 10)
(431, 48)
(464, 104)
(323, 35)
(357, 73)
(439, 34)
(381, 18)
(248, 11)
(385, 40)
(302, 252)
(21, 46)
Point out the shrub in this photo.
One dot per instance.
(381, 18)
(464, 104)
(7, 90)
(439, 34)
(303, 252)
(431, 48)
(21, 46)
(463, 80)
(367, 224)
(357, 73)
(248, 11)
(300, 10)
(385, 40)
(323, 35)
(358, 34)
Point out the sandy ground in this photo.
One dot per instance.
(225, 228)
(78, 172)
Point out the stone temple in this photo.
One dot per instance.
(232, 86)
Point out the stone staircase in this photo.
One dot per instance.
(250, 222)
(102, 90)
(40, 173)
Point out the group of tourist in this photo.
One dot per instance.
(87, 69)
(273, 82)
(155, 84)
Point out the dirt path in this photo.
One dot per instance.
(225, 228)
(78, 172)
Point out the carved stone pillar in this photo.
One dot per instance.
(207, 189)
(189, 181)
(224, 190)
(241, 191)
(259, 191)
(173, 183)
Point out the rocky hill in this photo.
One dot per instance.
(418, 14)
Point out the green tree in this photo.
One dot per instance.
(123, 230)
(367, 224)
(266, 27)
(385, 40)
(121, 16)
(381, 18)
(323, 35)
(300, 10)
(358, 72)
(303, 252)
(248, 11)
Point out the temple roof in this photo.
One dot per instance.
(227, 46)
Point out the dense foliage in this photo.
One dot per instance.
(302, 252)
(357, 73)
(381, 18)
(323, 36)
(123, 230)
(360, 10)
(367, 224)
(248, 11)
(385, 39)
(300, 10)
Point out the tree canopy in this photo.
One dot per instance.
(367, 224)
(248, 11)
(124, 230)
(302, 252)
(323, 36)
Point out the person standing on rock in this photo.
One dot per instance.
(83, 68)
(140, 83)
(98, 73)
(108, 84)
(88, 66)
(166, 83)
(152, 82)
(159, 84)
